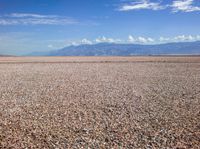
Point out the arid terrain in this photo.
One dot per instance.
(100, 102)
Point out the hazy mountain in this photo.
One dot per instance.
(111, 49)
(1, 55)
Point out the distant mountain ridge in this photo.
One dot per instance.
(2, 55)
(113, 49)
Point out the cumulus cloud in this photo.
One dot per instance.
(184, 6)
(149, 40)
(86, 41)
(180, 38)
(140, 39)
(142, 4)
(184, 38)
(164, 39)
(109, 40)
(35, 19)
(80, 42)
(102, 39)
(131, 38)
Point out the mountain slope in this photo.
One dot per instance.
(111, 49)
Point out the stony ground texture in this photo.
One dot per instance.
(84, 103)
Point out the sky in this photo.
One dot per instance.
(28, 26)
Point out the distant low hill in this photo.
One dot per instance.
(112, 49)
(5, 55)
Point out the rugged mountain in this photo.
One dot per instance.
(111, 49)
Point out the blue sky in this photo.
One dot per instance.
(43, 25)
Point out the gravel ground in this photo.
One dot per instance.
(99, 104)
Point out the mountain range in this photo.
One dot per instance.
(1, 55)
(113, 49)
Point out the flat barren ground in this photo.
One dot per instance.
(100, 102)
(169, 59)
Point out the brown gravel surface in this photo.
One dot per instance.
(100, 102)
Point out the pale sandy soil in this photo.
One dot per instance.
(100, 102)
(182, 59)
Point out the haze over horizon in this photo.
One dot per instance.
(43, 25)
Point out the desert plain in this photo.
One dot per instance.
(100, 102)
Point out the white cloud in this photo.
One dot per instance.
(176, 5)
(131, 39)
(74, 43)
(185, 38)
(80, 42)
(109, 40)
(22, 15)
(184, 5)
(142, 4)
(164, 39)
(86, 41)
(137, 40)
(198, 37)
(150, 39)
(140, 39)
(34, 19)
(180, 38)
(101, 39)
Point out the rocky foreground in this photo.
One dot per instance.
(99, 104)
